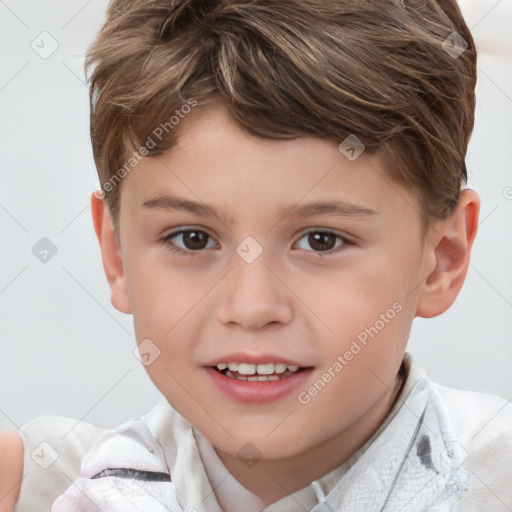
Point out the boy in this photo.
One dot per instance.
(281, 197)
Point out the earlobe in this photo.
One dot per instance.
(450, 246)
(110, 253)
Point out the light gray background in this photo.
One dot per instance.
(65, 350)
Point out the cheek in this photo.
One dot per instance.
(360, 366)
(353, 298)
(366, 312)
(160, 296)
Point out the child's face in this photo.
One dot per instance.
(344, 314)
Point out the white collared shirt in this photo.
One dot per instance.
(438, 450)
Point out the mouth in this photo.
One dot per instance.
(259, 382)
(258, 372)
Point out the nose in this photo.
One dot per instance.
(254, 296)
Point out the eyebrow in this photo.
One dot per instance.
(335, 208)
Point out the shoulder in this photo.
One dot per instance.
(11, 469)
(483, 426)
(52, 450)
(479, 419)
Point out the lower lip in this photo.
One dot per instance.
(258, 392)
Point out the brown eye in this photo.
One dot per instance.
(322, 241)
(188, 240)
(195, 240)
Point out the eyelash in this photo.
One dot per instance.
(173, 248)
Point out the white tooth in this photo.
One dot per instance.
(273, 377)
(262, 378)
(222, 366)
(246, 369)
(233, 367)
(253, 378)
(279, 368)
(265, 369)
(292, 367)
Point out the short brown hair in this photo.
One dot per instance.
(378, 69)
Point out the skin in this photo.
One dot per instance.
(11, 469)
(290, 302)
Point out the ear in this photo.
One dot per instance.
(450, 247)
(110, 253)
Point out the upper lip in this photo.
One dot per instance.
(245, 357)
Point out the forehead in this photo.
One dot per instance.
(218, 163)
